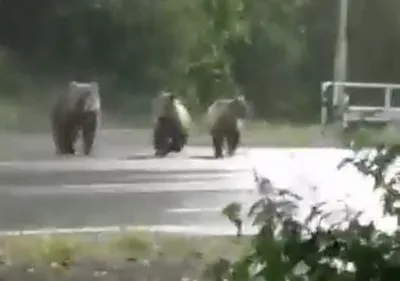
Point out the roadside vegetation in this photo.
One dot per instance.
(275, 53)
(285, 248)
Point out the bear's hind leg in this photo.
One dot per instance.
(177, 143)
(218, 140)
(233, 139)
(56, 131)
(89, 132)
(161, 137)
(57, 139)
(59, 136)
(69, 144)
(68, 138)
(179, 140)
(64, 144)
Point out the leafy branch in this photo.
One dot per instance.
(286, 248)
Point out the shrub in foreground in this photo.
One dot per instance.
(287, 248)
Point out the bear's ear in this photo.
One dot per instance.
(72, 85)
(172, 97)
(240, 98)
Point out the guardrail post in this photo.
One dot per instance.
(388, 98)
(324, 104)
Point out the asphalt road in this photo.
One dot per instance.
(123, 184)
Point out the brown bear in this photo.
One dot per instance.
(224, 123)
(171, 124)
(77, 110)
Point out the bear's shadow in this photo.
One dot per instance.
(142, 157)
(149, 156)
(202, 157)
(152, 156)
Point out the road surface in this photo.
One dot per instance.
(123, 184)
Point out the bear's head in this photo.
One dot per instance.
(239, 107)
(165, 104)
(85, 96)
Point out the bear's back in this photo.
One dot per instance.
(227, 113)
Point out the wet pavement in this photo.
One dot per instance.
(123, 184)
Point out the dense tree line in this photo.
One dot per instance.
(276, 52)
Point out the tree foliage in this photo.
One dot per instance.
(287, 248)
(275, 52)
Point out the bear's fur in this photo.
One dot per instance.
(171, 124)
(224, 118)
(77, 110)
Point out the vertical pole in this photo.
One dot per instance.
(324, 106)
(388, 97)
(340, 63)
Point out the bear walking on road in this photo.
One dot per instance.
(224, 118)
(171, 124)
(77, 110)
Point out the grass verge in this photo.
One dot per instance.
(388, 135)
(129, 256)
(138, 245)
(27, 117)
(33, 116)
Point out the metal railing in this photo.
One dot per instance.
(353, 113)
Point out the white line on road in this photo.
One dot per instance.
(188, 229)
(154, 165)
(187, 186)
(194, 210)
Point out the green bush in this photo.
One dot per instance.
(288, 249)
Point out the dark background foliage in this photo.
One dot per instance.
(276, 52)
